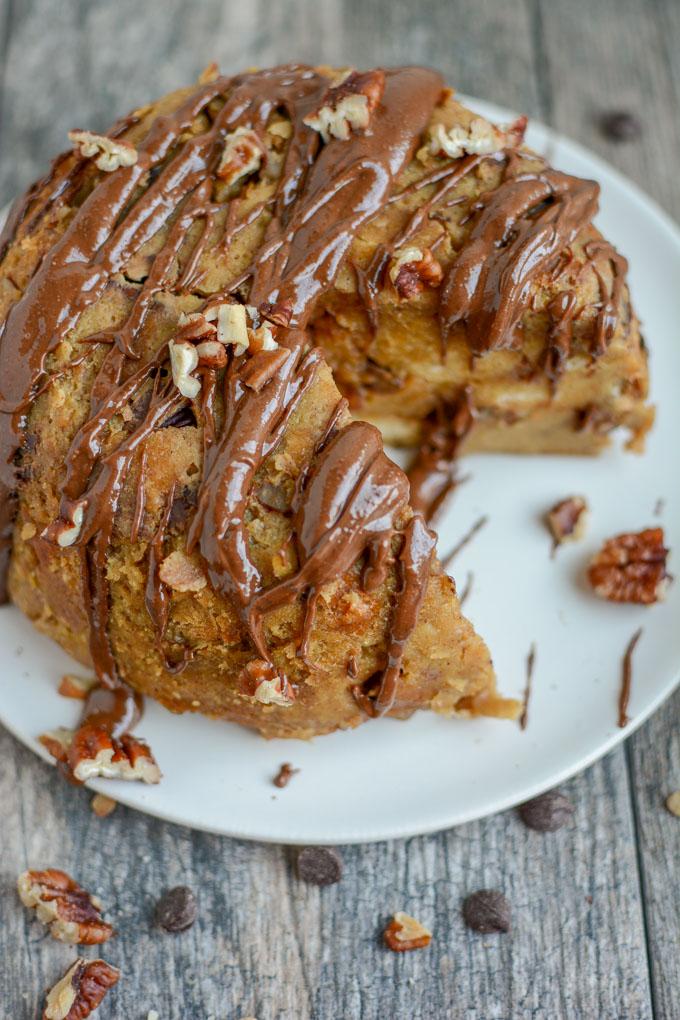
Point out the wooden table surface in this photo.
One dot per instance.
(596, 905)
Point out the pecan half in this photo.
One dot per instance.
(90, 752)
(80, 991)
(631, 568)
(413, 269)
(404, 933)
(347, 105)
(110, 153)
(567, 519)
(71, 913)
(243, 154)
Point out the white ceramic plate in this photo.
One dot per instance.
(389, 779)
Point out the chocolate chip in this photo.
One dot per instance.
(487, 911)
(547, 813)
(319, 865)
(176, 910)
(620, 126)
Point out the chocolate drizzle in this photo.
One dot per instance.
(353, 501)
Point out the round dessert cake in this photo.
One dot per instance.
(207, 312)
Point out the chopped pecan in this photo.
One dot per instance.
(347, 105)
(631, 568)
(180, 573)
(183, 361)
(78, 687)
(72, 914)
(479, 138)
(212, 354)
(232, 324)
(279, 314)
(404, 932)
(194, 326)
(91, 752)
(567, 519)
(111, 153)
(243, 154)
(413, 269)
(264, 684)
(80, 991)
(102, 806)
(262, 338)
(65, 531)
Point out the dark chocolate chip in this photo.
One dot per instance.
(487, 911)
(176, 910)
(547, 813)
(620, 126)
(319, 865)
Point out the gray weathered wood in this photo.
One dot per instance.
(266, 945)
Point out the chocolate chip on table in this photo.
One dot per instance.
(620, 125)
(547, 813)
(176, 910)
(487, 911)
(319, 865)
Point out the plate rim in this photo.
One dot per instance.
(451, 818)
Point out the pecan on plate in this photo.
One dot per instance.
(80, 991)
(631, 568)
(567, 519)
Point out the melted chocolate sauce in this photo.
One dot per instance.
(353, 499)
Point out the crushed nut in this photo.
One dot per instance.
(111, 153)
(183, 361)
(673, 803)
(567, 520)
(90, 752)
(631, 568)
(243, 154)
(102, 806)
(71, 913)
(347, 105)
(78, 687)
(480, 138)
(180, 573)
(279, 313)
(209, 74)
(404, 932)
(194, 326)
(66, 532)
(232, 325)
(264, 684)
(262, 339)
(80, 991)
(212, 354)
(413, 269)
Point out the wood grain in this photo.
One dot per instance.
(596, 906)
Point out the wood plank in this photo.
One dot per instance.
(612, 55)
(636, 53)
(654, 761)
(269, 946)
